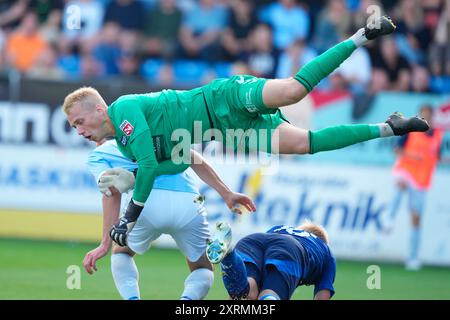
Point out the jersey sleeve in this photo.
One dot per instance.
(97, 164)
(142, 149)
(327, 279)
(135, 137)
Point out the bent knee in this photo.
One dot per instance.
(288, 139)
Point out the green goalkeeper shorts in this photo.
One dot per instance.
(238, 111)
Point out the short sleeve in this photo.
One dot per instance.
(327, 279)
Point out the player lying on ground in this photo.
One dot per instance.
(171, 209)
(271, 265)
(156, 129)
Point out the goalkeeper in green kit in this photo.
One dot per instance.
(148, 127)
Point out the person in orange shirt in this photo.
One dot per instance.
(418, 154)
(25, 45)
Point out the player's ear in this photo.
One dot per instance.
(100, 108)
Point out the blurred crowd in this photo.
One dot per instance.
(182, 43)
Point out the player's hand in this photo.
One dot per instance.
(90, 259)
(119, 232)
(119, 178)
(234, 200)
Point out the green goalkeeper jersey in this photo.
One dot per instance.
(149, 126)
(144, 124)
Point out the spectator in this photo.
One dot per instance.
(26, 44)
(200, 31)
(51, 29)
(262, 58)
(288, 21)
(333, 22)
(162, 28)
(129, 41)
(411, 35)
(11, 13)
(420, 79)
(440, 49)
(46, 66)
(107, 51)
(186, 5)
(68, 60)
(432, 10)
(129, 60)
(235, 39)
(129, 66)
(128, 14)
(90, 67)
(260, 4)
(391, 70)
(293, 58)
(44, 8)
(314, 7)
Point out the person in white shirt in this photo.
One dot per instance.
(174, 207)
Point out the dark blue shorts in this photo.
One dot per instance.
(274, 261)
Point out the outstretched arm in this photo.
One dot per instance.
(142, 149)
(123, 180)
(111, 209)
(210, 177)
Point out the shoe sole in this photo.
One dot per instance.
(214, 252)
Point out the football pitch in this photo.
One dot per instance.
(32, 269)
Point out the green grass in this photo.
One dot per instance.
(31, 269)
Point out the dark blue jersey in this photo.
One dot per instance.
(319, 264)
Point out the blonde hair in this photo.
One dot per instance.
(82, 95)
(315, 229)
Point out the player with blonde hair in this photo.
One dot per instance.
(157, 129)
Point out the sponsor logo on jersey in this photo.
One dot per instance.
(127, 128)
(124, 140)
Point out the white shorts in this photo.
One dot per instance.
(176, 214)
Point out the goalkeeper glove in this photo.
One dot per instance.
(118, 178)
(119, 232)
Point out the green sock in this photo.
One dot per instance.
(311, 73)
(337, 137)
